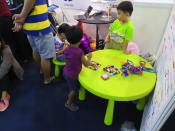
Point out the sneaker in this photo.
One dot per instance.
(4, 103)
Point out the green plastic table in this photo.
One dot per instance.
(117, 87)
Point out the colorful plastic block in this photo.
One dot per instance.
(94, 65)
(105, 77)
(111, 70)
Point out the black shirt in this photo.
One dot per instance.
(47, 3)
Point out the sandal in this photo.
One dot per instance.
(75, 94)
(72, 106)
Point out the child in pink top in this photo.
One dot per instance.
(74, 57)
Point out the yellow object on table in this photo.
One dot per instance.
(117, 87)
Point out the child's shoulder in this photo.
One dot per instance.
(116, 21)
(57, 40)
(130, 25)
(74, 49)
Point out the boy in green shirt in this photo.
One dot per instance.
(121, 31)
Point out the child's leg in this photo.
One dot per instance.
(37, 60)
(60, 58)
(71, 97)
(44, 45)
(46, 66)
(74, 87)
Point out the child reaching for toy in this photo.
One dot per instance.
(74, 57)
(121, 31)
(60, 42)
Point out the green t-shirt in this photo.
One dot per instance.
(121, 32)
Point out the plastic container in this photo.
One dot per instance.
(128, 126)
(151, 58)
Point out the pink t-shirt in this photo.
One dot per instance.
(73, 62)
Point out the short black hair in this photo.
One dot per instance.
(126, 7)
(74, 34)
(62, 28)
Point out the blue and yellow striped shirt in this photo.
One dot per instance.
(37, 22)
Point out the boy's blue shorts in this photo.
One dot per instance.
(43, 44)
(60, 58)
(73, 84)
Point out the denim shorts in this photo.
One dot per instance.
(60, 58)
(44, 44)
(73, 84)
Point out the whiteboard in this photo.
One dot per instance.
(162, 99)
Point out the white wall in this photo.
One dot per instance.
(149, 20)
(155, 1)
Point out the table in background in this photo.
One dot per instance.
(117, 87)
(95, 20)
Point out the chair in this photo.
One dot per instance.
(57, 64)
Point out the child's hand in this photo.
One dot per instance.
(89, 56)
(17, 27)
(127, 52)
(68, 43)
(107, 40)
(65, 46)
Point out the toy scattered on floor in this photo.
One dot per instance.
(111, 70)
(129, 67)
(105, 77)
(94, 65)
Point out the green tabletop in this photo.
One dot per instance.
(117, 87)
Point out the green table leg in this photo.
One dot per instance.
(109, 113)
(141, 103)
(82, 94)
(57, 71)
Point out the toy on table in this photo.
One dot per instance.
(129, 67)
(143, 63)
(125, 72)
(94, 65)
(149, 70)
(111, 70)
(105, 77)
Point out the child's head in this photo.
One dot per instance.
(124, 10)
(62, 30)
(74, 35)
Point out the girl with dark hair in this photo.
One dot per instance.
(8, 67)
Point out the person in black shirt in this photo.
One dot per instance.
(50, 16)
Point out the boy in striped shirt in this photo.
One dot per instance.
(60, 42)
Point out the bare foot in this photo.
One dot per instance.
(48, 80)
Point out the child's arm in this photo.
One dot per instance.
(125, 47)
(20, 18)
(86, 62)
(107, 37)
(61, 51)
